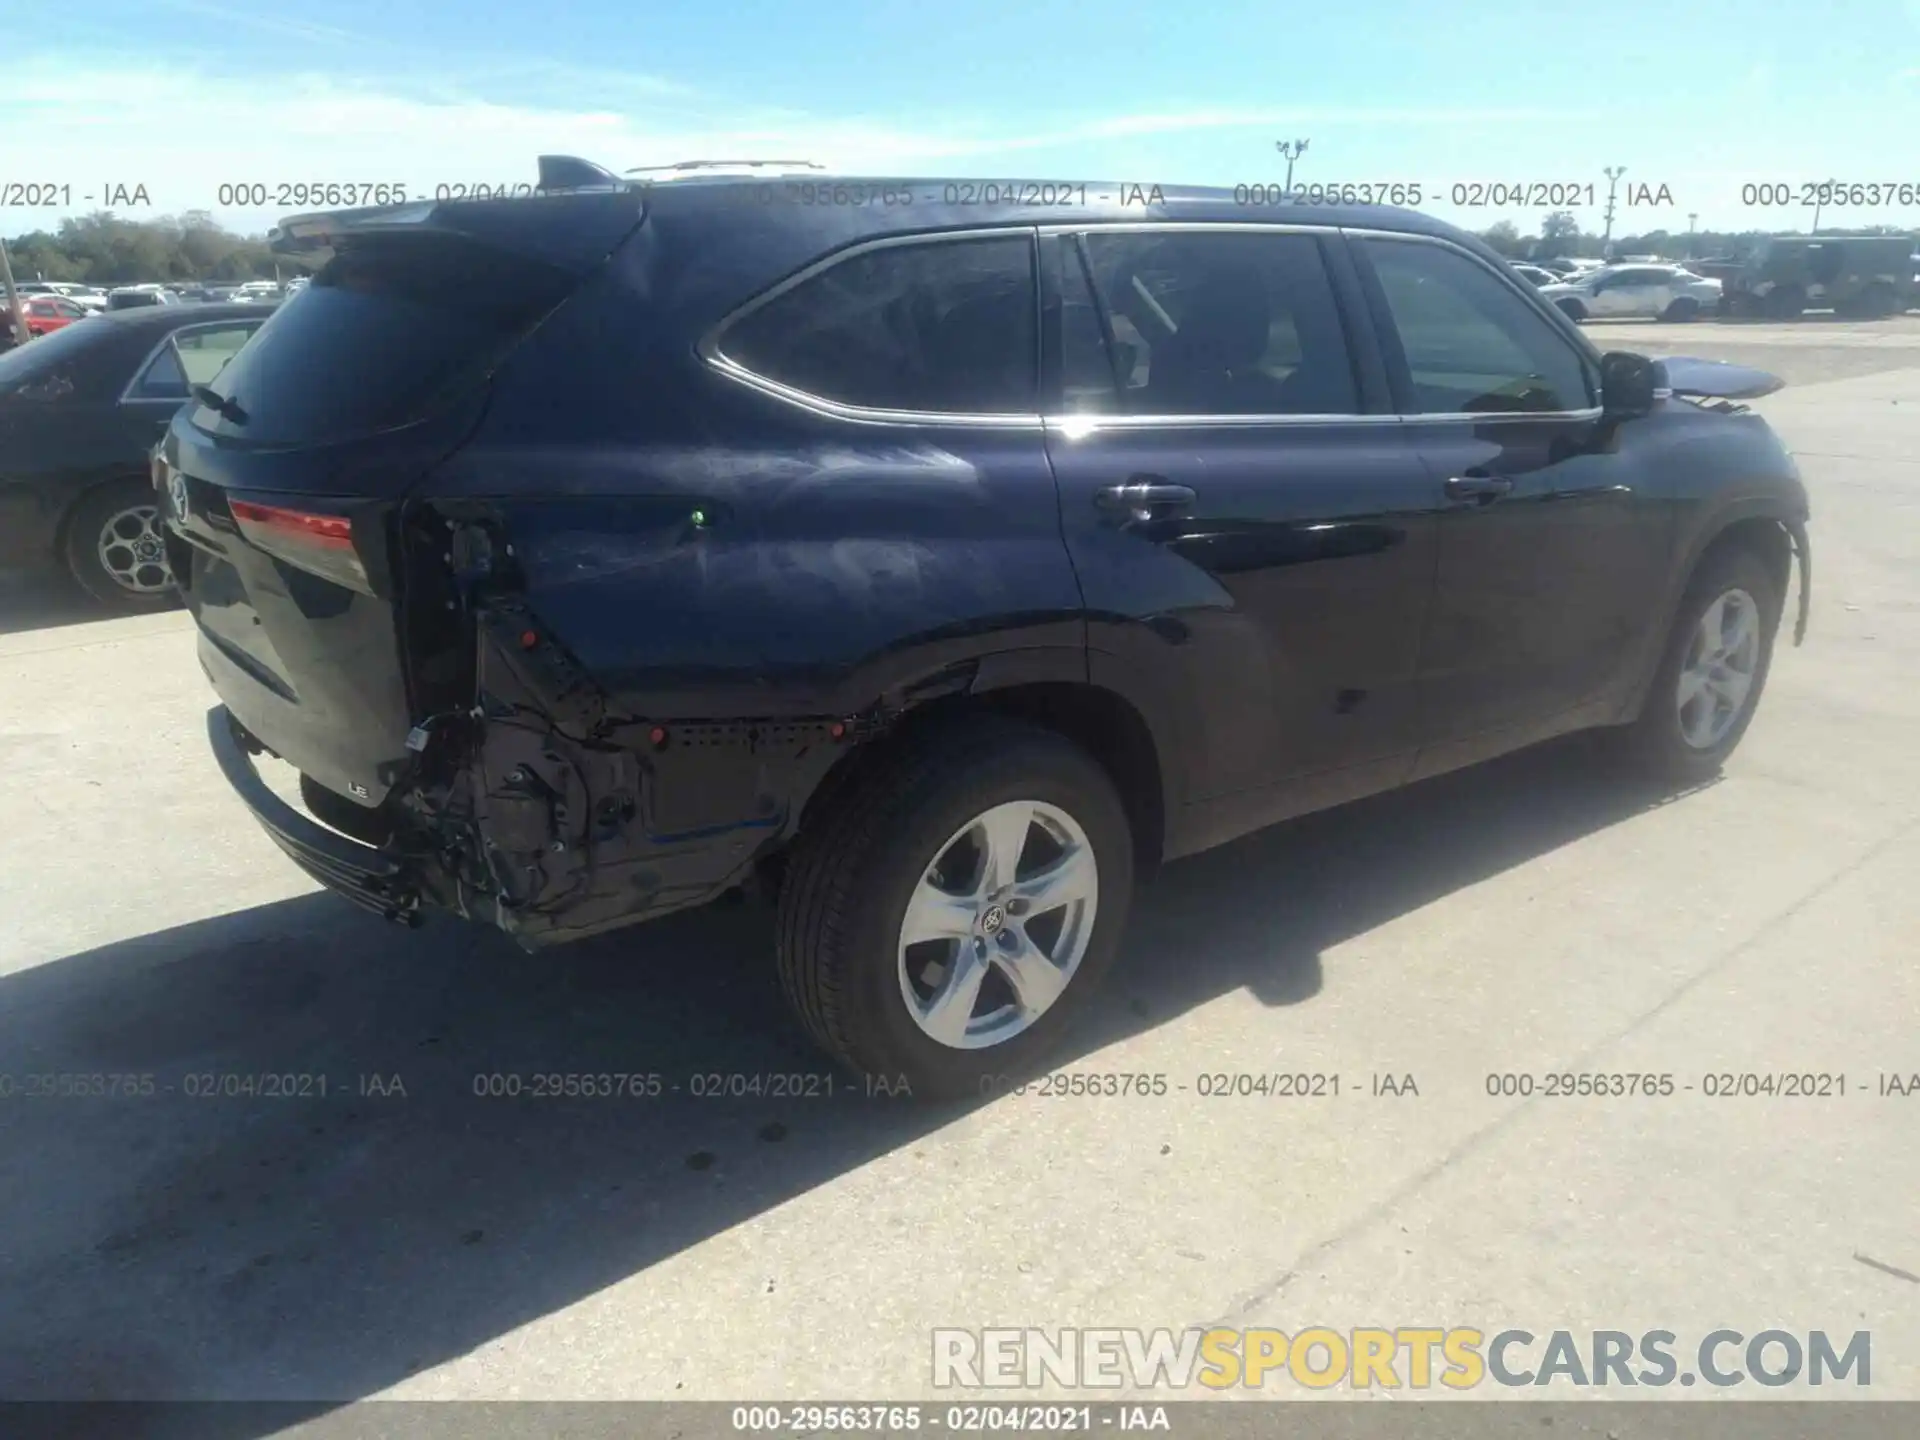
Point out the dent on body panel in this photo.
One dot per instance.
(708, 580)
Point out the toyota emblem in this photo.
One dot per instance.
(177, 494)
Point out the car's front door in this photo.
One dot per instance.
(1252, 530)
(1549, 560)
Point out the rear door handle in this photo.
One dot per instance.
(1482, 488)
(1145, 499)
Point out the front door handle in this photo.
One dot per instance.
(1144, 498)
(1483, 489)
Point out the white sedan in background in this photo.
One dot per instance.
(1637, 292)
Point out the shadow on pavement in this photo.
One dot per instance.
(37, 602)
(321, 1249)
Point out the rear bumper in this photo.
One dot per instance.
(371, 878)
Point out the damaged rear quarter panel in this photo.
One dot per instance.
(742, 572)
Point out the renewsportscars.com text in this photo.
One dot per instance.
(1403, 1357)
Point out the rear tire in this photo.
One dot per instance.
(1878, 302)
(1681, 311)
(1786, 303)
(1687, 728)
(916, 828)
(114, 548)
(1572, 309)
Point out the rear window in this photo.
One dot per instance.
(389, 330)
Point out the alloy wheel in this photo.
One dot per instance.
(1716, 678)
(998, 924)
(133, 552)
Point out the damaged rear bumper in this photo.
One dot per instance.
(371, 878)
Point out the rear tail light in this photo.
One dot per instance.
(318, 543)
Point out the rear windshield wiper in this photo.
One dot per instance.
(227, 409)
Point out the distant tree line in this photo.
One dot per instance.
(1560, 234)
(104, 249)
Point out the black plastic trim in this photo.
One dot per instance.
(369, 877)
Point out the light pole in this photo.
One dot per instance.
(16, 314)
(1817, 199)
(1692, 216)
(1613, 174)
(1292, 150)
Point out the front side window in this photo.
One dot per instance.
(1472, 345)
(1204, 323)
(939, 327)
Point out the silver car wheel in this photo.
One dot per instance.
(133, 552)
(998, 924)
(1716, 678)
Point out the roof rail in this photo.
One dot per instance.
(685, 165)
(569, 172)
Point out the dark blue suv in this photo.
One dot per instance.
(937, 557)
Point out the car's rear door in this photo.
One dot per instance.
(1252, 531)
(1632, 294)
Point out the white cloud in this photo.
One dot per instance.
(270, 24)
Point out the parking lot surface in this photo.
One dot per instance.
(403, 1235)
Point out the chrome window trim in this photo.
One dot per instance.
(1480, 417)
(1585, 350)
(1094, 420)
(1091, 228)
(709, 351)
(127, 397)
(1090, 420)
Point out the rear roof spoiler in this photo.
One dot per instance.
(606, 208)
(569, 172)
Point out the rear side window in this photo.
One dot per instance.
(1223, 323)
(1472, 345)
(194, 357)
(389, 329)
(943, 327)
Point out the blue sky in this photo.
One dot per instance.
(1702, 97)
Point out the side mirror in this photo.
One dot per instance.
(1627, 384)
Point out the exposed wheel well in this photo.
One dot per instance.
(1764, 537)
(1099, 721)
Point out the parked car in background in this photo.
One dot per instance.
(1564, 265)
(83, 295)
(258, 290)
(1533, 274)
(1636, 292)
(47, 313)
(134, 297)
(79, 413)
(596, 554)
(1866, 277)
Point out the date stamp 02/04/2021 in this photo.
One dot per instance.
(1716, 1085)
